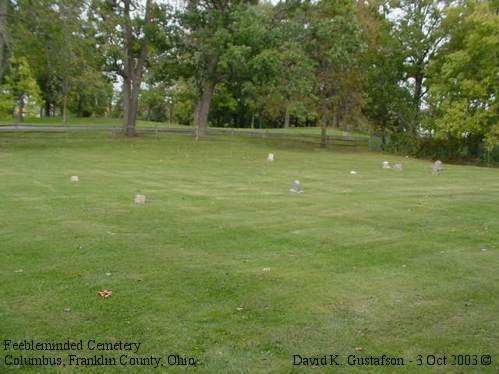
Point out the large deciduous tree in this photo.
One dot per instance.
(465, 76)
(58, 42)
(282, 73)
(69, 55)
(20, 87)
(208, 34)
(4, 6)
(418, 29)
(333, 44)
(389, 104)
(126, 30)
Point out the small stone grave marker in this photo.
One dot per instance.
(296, 187)
(398, 167)
(140, 199)
(74, 178)
(270, 157)
(436, 167)
(386, 165)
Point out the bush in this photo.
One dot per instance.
(466, 149)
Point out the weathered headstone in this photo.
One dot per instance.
(353, 172)
(140, 199)
(74, 178)
(270, 157)
(398, 167)
(386, 165)
(437, 167)
(296, 187)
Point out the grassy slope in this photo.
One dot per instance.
(118, 122)
(386, 261)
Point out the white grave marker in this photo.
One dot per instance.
(437, 167)
(296, 187)
(140, 199)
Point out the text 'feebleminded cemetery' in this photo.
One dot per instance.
(91, 352)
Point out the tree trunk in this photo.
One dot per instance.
(203, 108)
(65, 110)
(126, 103)
(418, 93)
(109, 108)
(130, 106)
(204, 100)
(195, 119)
(132, 115)
(131, 89)
(133, 67)
(418, 90)
(286, 119)
(20, 113)
(3, 35)
(252, 120)
(171, 112)
(335, 120)
(323, 134)
(323, 120)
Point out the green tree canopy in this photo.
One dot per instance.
(20, 88)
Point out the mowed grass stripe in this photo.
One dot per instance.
(384, 260)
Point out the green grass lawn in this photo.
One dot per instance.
(309, 131)
(74, 121)
(381, 262)
(102, 121)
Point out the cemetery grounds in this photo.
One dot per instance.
(222, 263)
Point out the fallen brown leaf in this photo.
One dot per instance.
(105, 293)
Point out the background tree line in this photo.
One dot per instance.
(423, 75)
